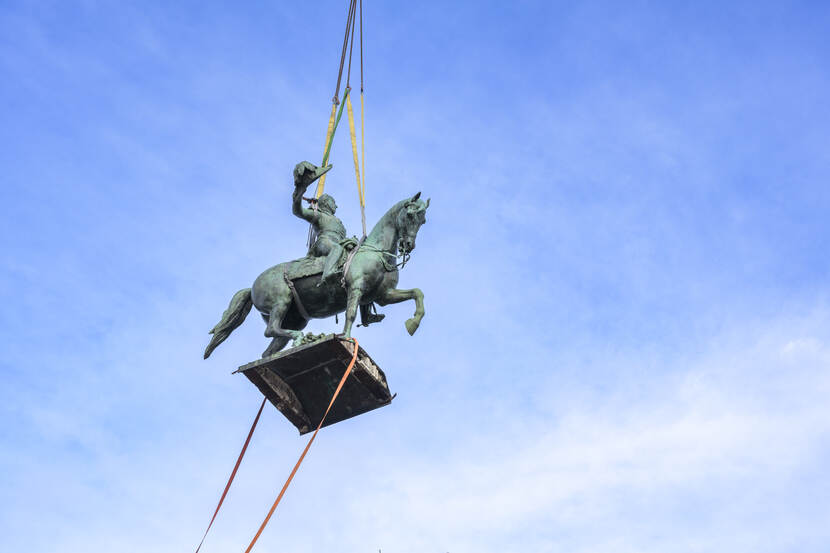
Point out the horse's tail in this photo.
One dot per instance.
(233, 316)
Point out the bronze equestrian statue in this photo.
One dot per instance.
(289, 294)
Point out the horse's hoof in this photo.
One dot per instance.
(411, 326)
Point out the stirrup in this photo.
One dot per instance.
(372, 318)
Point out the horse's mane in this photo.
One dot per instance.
(391, 213)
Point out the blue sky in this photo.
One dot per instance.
(627, 338)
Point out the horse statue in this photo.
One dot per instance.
(289, 294)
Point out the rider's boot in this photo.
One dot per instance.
(367, 317)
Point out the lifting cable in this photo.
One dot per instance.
(362, 133)
(357, 171)
(332, 126)
(334, 116)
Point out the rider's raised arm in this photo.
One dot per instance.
(297, 207)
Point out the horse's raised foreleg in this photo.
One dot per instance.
(397, 296)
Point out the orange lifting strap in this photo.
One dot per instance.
(296, 466)
(310, 441)
(233, 472)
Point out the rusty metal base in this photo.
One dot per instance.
(300, 382)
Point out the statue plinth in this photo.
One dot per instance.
(301, 381)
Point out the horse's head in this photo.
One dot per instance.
(410, 218)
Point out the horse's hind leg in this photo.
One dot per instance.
(275, 346)
(274, 328)
(396, 296)
(295, 323)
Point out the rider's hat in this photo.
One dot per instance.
(304, 167)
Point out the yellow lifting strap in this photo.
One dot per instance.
(321, 184)
(362, 150)
(360, 189)
(334, 117)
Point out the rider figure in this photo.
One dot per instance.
(329, 229)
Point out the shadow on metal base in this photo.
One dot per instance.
(300, 382)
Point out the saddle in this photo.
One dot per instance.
(310, 266)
